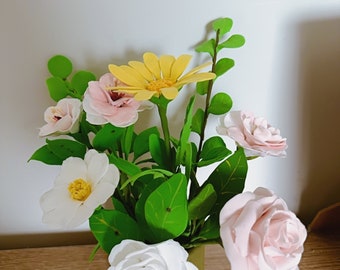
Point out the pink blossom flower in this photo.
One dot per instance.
(254, 134)
(106, 106)
(260, 233)
(62, 118)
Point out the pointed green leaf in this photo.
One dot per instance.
(110, 227)
(224, 25)
(211, 229)
(185, 132)
(200, 206)
(214, 149)
(141, 142)
(197, 121)
(207, 46)
(166, 208)
(228, 178)
(80, 81)
(64, 148)
(157, 150)
(234, 41)
(223, 65)
(57, 88)
(59, 66)
(221, 103)
(124, 165)
(45, 155)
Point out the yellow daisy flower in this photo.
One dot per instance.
(158, 76)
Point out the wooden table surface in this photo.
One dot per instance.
(322, 252)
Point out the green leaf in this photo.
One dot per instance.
(214, 149)
(141, 142)
(185, 133)
(108, 137)
(207, 46)
(110, 227)
(202, 87)
(57, 88)
(228, 178)
(64, 148)
(45, 155)
(124, 165)
(157, 150)
(211, 229)
(221, 103)
(151, 184)
(158, 173)
(59, 66)
(127, 139)
(200, 206)
(223, 65)
(166, 208)
(118, 205)
(80, 81)
(234, 41)
(224, 25)
(197, 121)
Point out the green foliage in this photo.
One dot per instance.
(110, 227)
(221, 103)
(197, 121)
(235, 41)
(57, 88)
(223, 65)
(80, 81)
(207, 46)
(60, 66)
(56, 151)
(108, 138)
(200, 206)
(141, 142)
(166, 211)
(223, 25)
(229, 178)
(214, 149)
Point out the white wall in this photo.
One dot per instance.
(288, 71)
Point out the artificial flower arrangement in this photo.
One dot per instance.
(139, 190)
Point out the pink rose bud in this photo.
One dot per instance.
(62, 118)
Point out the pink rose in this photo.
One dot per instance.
(254, 134)
(260, 233)
(105, 106)
(62, 118)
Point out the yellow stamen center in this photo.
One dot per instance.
(79, 189)
(159, 84)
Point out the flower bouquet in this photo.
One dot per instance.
(139, 189)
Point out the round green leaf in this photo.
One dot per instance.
(221, 103)
(81, 79)
(166, 208)
(223, 65)
(223, 25)
(60, 66)
(57, 88)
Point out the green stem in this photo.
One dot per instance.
(207, 99)
(166, 133)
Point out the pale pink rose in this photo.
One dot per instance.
(62, 118)
(254, 134)
(260, 233)
(104, 106)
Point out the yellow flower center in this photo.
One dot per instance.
(79, 189)
(159, 84)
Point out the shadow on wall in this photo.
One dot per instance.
(319, 79)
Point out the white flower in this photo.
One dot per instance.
(79, 189)
(62, 118)
(134, 255)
